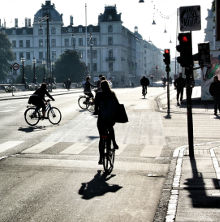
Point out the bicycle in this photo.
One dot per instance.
(108, 153)
(86, 103)
(32, 116)
(144, 92)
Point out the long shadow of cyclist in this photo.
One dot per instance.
(97, 186)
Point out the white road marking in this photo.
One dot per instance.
(40, 147)
(76, 148)
(8, 145)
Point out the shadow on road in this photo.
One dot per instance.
(197, 190)
(31, 128)
(98, 186)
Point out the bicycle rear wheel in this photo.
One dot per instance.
(54, 115)
(82, 102)
(108, 158)
(31, 116)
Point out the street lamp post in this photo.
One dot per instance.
(44, 63)
(34, 70)
(52, 65)
(91, 56)
(23, 75)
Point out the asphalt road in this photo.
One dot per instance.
(51, 173)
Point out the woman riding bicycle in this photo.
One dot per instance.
(105, 106)
(88, 88)
(37, 98)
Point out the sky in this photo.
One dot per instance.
(133, 13)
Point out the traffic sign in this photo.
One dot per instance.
(15, 66)
(190, 18)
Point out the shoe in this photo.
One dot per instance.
(100, 162)
(215, 114)
(115, 146)
(178, 104)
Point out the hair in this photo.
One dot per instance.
(105, 86)
(87, 77)
(100, 75)
(103, 78)
(215, 78)
(43, 85)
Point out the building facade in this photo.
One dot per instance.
(108, 48)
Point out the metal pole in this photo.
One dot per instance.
(86, 32)
(168, 92)
(189, 74)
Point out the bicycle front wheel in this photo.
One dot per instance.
(31, 116)
(83, 103)
(54, 115)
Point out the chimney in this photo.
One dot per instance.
(26, 22)
(71, 20)
(16, 22)
(29, 22)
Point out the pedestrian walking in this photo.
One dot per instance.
(68, 84)
(179, 84)
(214, 90)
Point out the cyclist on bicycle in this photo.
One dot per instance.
(37, 98)
(88, 88)
(144, 83)
(105, 106)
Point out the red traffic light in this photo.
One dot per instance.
(167, 51)
(185, 39)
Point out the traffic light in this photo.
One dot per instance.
(166, 57)
(185, 49)
(204, 54)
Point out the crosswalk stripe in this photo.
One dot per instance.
(8, 145)
(121, 149)
(40, 147)
(76, 148)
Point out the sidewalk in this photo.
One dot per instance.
(26, 94)
(192, 189)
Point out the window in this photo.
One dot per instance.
(40, 31)
(40, 43)
(73, 42)
(66, 42)
(15, 56)
(110, 29)
(21, 55)
(28, 56)
(80, 29)
(94, 67)
(53, 42)
(14, 44)
(110, 53)
(80, 41)
(28, 43)
(94, 41)
(41, 55)
(94, 54)
(53, 30)
(54, 55)
(90, 29)
(110, 40)
(110, 67)
(21, 43)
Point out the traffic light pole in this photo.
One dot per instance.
(189, 73)
(168, 91)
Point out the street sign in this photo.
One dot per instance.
(190, 18)
(15, 66)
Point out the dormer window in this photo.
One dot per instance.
(110, 17)
(80, 29)
(110, 29)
